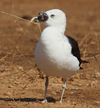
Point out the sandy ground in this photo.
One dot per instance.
(21, 82)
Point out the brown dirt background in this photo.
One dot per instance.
(21, 82)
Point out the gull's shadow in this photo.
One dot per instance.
(50, 99)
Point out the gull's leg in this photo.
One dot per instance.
(46, 85)
(64, 86)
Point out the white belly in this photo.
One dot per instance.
(53, 55)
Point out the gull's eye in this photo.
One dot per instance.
(52, 15)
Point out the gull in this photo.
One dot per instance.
(56, 54)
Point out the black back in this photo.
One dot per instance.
(75, 48)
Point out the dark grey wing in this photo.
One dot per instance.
(75, 48)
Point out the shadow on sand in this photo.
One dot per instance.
(28, 99)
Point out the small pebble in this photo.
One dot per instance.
(53, 93)
(10, 86)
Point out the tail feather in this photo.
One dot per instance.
(81, 68)
(83, 61)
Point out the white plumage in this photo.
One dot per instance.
(53, 53)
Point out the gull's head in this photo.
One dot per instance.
(54, 17)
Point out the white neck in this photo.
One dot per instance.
(60, 28)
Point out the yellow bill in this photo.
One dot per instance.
(34, 19)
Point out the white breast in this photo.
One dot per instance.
(53, 54)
